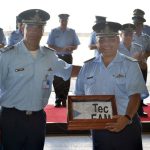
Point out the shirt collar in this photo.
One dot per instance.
(67, 29)
(25, 50)
(118, 58)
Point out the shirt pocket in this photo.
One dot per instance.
(121, 84)
(17, 72)
(90, 81)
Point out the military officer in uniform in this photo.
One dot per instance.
(26, 75)
(92, 43)
(144, 40)
(111, 74)
(128, 47)
(132, 49)
(17, 35)
(64, 40)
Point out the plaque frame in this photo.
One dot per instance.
(87, 124)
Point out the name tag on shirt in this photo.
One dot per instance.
(19, 69)
(90, 77)
(119, 76)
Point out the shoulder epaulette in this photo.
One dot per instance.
(89, 60)
(131, 59)
(49, 48)
(6, 49)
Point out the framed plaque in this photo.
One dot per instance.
(90, 112)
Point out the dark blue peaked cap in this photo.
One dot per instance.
(107, 29)
(34, 16)
(63, 16)
(100, 19)
(128, 27)
(138, 12)
(138, 16)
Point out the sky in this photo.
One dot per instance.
(82, 12)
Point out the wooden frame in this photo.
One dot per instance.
(90, 112)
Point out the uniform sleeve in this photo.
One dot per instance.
(135, 82)
(61, 68)
(79, 87)
(75, 39)
(51, 39)
(3, 73)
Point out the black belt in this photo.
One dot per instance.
(25, 112)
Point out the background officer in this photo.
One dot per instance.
(17, 35)
(26, 75)
(129, 48)
(92, 43)
(110, 74)
(64, 40)
(144, 40)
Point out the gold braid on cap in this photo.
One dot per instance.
(36, 19)
(106, 32)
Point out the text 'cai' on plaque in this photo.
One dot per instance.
(90, 112)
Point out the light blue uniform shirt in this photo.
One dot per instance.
(15, 37)
(61, 39)
(23, 78)
(93, 41)
(134, 49)
(122, 78)
(143, 40)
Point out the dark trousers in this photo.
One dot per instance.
(62, 87)
(128, 139)
(140, 110)
(21, 131)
